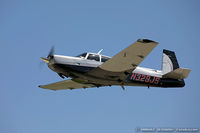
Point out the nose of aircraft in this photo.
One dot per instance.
(49, 57)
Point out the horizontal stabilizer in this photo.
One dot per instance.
(179, 73)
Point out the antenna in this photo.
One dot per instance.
(100, 51)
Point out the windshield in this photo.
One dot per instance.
(93, 57)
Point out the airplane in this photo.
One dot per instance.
(89, 70)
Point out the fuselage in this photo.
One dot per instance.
(79, 67)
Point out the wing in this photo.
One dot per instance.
(130, 57)
(66, 84)
(123, 63)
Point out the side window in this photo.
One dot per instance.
(93, 57)
(104, 59)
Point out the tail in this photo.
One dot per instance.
(170, 66)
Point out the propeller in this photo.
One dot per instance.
(50, 55)
(48, 58)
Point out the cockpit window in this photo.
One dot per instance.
(104, 59)
(82, 55)
(93, 57)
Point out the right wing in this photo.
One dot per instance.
(130, 57)
(66, 84)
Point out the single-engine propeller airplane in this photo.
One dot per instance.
(89, 70)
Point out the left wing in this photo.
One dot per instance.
(66, 84)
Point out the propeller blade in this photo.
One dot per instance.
(51, 52)
(41, 64)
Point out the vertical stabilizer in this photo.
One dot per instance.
(169, 61)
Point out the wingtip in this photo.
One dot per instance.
(146, 41)
(40, 86)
